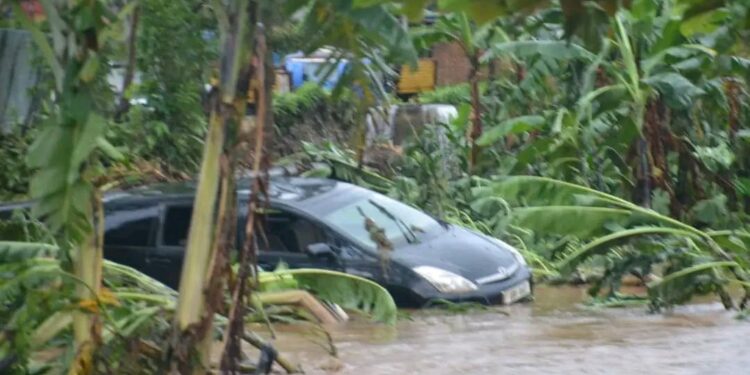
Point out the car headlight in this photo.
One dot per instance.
(513, 250)
(445, 281)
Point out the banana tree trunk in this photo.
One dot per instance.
(86, 326)
(197, 254)
(88, 268)
(127, 79)
(193, 322)
(191, 303)
(642, 192)
(232, 346)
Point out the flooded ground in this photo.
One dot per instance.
(553, 335)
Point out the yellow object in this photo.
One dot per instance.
(422, 79)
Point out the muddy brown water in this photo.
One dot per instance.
(556, 334)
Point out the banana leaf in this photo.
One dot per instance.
(605, 243)
(579, 221)
(348, 291)
(11, 251)
(542, 191)
(698, 268)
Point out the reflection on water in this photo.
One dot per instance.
(553, 335)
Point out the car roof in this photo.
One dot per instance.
(314, 195)
(289, 189)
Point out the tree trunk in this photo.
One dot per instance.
(191, 302)
(642, 192)
(232, 348)
(193, 318)
(127, 79)
(476, 114)
(86, 326)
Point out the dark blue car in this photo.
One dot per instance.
(321, 223)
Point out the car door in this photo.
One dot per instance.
(164, 263)
(129, 232)
(356, 261)
(285, 238)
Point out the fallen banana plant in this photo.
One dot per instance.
(137, 310)
(348, 291)
(623, 238)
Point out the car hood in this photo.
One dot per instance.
(460, 251)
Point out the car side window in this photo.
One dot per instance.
(130, 226)
(347, 249)
(289, 232)
(176, 225)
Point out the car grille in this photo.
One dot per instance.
(501, 274)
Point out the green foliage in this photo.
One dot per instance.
(339, 164)
(20, 227)
(174, 61)
(14, 174)
(572, 114)
(552, 49)
(289, 108)
(648, 104)
(19, 251)
(348, 291)
(617, 300)
(628, 238)
(555, 220)
(516, 125)
(67, 137)
(42, 298)
(64, 197)
(137, 308)
(312, 114)
(455, 95)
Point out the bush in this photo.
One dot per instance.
(14, 174)
(311, 113)
(455, 95)
(294, 107)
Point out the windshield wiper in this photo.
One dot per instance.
(402, 227)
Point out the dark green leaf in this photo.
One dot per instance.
(514, 125)
(579, 221)
(675, 88)
(551, 49)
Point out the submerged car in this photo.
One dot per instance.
(321, 223)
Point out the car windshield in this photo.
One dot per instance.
(399, 222)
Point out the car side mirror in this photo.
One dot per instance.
(320, 249)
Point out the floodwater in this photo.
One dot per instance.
(556, 334)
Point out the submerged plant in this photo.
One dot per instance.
(634, 239)
(136, 310)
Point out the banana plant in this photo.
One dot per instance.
(640, 98)
(136, 310)
(603, 224)
(64, 152)
(458, 28)
(205, 256)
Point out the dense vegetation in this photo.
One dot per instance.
(600, 140)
